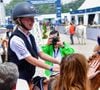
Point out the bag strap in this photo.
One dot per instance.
(38, 81)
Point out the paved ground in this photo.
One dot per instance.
(87, 49)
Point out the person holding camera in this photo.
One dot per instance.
(56, 49)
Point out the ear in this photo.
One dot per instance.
(18, 21)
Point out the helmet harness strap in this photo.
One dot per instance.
(21, 24)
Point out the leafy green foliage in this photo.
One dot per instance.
(44, 27)
(11, 5)
(46, 8)
(73, 5)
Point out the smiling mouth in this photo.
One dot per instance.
(31, 25)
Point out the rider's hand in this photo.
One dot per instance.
(92, 69)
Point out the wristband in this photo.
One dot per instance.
(51, 69)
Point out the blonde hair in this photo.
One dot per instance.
(73, 73)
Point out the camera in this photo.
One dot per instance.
(55, 40)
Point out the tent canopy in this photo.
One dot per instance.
(90, 4)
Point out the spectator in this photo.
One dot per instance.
(74, 73)
(72, 32)
(4, 46)
(97, 47)
(96, 55)
(9, 27)
(56, 49)
(95, 82)
(8, 76)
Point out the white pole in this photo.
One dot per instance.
(2, 13)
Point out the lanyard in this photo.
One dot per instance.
(56, 52)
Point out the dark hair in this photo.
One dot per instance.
(98, 40)
(54, 32)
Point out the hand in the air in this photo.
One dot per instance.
(92, 69)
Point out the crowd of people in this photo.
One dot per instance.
(75, 73)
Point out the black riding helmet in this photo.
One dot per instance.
(24, 9)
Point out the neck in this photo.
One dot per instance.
(24, 30)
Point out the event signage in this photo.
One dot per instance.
(41, 1)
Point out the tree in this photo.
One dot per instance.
(11, 5)
(73, 5)
(46, 8)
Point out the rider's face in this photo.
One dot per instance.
(28, 22)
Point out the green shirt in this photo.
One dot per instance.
(48, 49)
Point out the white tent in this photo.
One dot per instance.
(90, 4)
(2, 14)
(88, 13)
